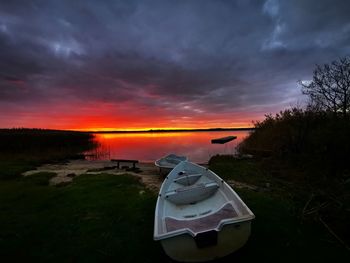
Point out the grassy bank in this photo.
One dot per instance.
(24, 149)
(110, 218)
(287, 226)
(90, 220)
(316, 143)
(307, 153)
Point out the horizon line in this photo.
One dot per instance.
(173, 130)
(139, 130)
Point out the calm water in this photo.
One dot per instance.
(149, 147)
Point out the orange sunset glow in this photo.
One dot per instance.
(101, 117)
(148, 70)
(148, 147)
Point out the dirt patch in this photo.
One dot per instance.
(147, 172)
(236, 184)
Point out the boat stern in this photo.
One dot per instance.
(207, 245)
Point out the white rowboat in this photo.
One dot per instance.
(198, 216)
(167, 163)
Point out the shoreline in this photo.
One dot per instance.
(175, 130)
(147, 172)
(65, 172)
(127, 131)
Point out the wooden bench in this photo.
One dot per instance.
(118, 161)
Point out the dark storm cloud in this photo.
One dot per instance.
(203, 55)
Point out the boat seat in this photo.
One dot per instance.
(191, 194)
(187, 179)
(172, 160)
(201, 224)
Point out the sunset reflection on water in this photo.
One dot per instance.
(148, 147)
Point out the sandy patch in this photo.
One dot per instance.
(149, 174)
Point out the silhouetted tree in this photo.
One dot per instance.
(329, 89)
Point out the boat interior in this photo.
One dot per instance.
(195, 199)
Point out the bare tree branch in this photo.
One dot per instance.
(329, 89)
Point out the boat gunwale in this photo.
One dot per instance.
(243, 218)
(171, 165)
(224, 222)
(162, 166)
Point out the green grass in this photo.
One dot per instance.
(279, 232)
(96, 218)
(99, 218)
(279, 235)
(13, 168)
(40, 178)
(246, 170)
(251, 171)
(110, 218)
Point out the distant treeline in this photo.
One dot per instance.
(178, 130)
(38, 140)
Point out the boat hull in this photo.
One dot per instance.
(230, 238)
(167, 163)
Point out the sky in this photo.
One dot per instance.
(104, 65)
